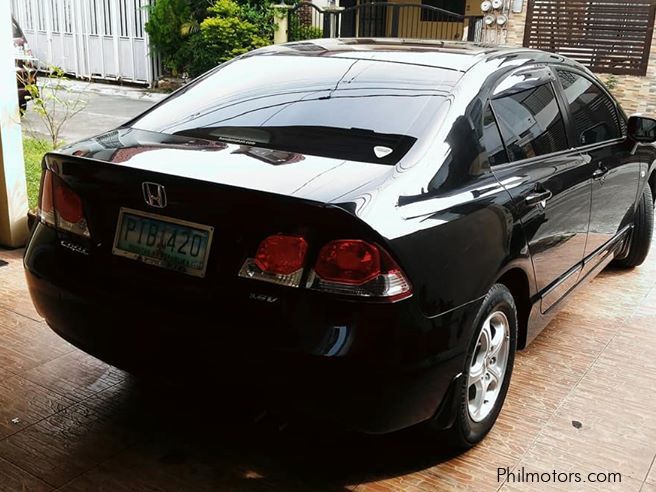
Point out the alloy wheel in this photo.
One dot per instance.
(487, 368)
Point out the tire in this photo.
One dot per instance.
(643, 227)
(469, 425)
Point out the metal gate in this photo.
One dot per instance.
(102, 39)
(607, 36)
(380, 19)
(306, 21)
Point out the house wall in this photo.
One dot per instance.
(516, 25)
(635, 94)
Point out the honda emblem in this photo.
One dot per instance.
(154, 194)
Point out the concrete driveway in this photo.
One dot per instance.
(107, 106)
(582, 400)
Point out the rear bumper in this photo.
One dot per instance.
(374, 368)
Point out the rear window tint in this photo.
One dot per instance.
(335, 107)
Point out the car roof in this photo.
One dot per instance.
(452, 55)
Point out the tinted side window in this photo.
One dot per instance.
(492, 139)
(531, 123)
(594, 113)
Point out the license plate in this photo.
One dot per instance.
(162, 241)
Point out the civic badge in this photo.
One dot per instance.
(154, 194)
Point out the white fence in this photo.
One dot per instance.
(102, 39)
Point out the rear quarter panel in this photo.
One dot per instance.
(445, 216)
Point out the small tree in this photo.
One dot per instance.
(55, 103)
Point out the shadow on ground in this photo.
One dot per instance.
(217, 441)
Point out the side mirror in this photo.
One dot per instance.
(642, 130)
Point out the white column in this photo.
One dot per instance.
(115, 13)
(101, 36)
(85, 22)
(280, 23)
(35, 30)
(131, 14)
(75, 21)
(13, 189)
(150, 64)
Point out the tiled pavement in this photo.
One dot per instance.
(70, 422)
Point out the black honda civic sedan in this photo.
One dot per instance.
(366, 230)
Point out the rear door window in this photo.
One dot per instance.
(594, 114)
(531, 123)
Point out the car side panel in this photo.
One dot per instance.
(448, 220)
(613, 192)
(556, 226)
(556, 230)
(596, 118)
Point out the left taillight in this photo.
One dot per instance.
(279, 259)
(60, 206)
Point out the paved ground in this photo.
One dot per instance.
(582, 400)
(107, 106)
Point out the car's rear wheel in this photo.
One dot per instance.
(481, 390)
(643, 228)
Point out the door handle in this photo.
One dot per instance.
(538, 197)
(600, 173)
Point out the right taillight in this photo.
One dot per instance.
(60, 206)
(357, 268)
(351, 262)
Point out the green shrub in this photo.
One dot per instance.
(193, 36)
(230, 30)
(259, 13)
(165, 28)
(300, 32)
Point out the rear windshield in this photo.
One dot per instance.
(337, 107)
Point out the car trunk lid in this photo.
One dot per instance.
(244, 193)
